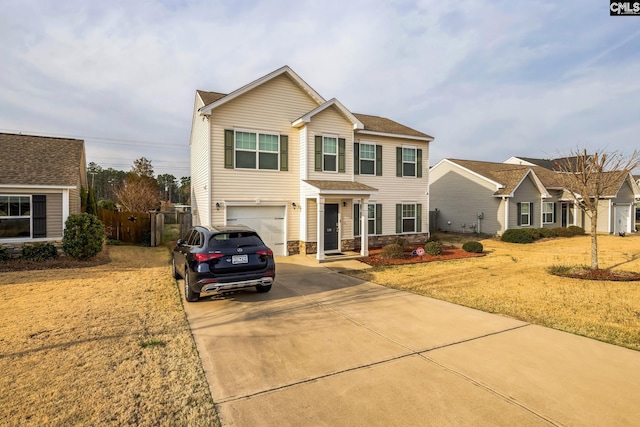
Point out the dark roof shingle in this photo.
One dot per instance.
(41, 160)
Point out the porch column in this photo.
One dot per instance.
(506, 213)
(364, 227)
(320, 229)
(576, 212)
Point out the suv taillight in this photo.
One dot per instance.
(206, 257)
(265, 252)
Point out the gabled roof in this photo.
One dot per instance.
(30, 160)
(508, 177)
(363, 123)
(332, 102)
(217, 101)
(210, 97)
(374, 125)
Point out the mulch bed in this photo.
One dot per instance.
(587, 273)
(54, 264)
(448, 252)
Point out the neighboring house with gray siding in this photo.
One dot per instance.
(487, 197)
(40, 182)
(308, 174)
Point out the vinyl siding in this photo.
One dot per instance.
(330, 122)
(459, 196)
(54, 215)
(392, 189)
(199, 152)
(526, 192)
(270, 107)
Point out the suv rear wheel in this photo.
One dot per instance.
(261, 289)
(189, 295)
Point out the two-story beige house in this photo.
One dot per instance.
(308, 174)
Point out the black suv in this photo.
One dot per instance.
(222, 258)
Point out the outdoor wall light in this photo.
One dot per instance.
(218, 205)
(293, 204)
(344, 203)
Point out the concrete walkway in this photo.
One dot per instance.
(325, 349)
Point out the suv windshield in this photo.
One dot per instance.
(234, 240)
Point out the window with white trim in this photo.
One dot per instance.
(409, 218)
(15, 216)
(254, 150)
(367, 159)
(525, 214)
(548, 212)
(408, 161)
(371, 221)
(329, 154)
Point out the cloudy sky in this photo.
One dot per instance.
(487, 78)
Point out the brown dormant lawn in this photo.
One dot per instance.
(512, 280)
(102, 345)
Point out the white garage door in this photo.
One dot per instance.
(268, 221)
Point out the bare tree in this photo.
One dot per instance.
(590, 177)
(138, 193)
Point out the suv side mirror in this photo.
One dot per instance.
(179, 242)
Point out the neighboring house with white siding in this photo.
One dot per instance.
(487, 197)
(309, 175)
(40, 182)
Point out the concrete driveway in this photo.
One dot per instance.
(325, 349)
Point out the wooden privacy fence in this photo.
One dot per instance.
(127, 227)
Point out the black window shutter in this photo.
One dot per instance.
(419, 218)
(379, 160)
(228, 149)
(519, 214)
(318, 153)
(530, 213)
(39, 215)
(284, 152)
(356, 159)
(378, 218)
(419, 162)
(356, 219)
(342, 148)
(398, 161)
(554, 212)
(398, 218)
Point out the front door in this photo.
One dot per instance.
(330, 227)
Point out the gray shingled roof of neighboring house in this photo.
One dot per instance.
(509, 175)
(371, 123)
(40, 160)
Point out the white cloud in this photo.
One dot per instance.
(488, 79)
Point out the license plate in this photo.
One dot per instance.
(239, 259)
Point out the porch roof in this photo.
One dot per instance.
(340, 187)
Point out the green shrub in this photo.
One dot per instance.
(517, 235)
(473, 246)
(563, 232)
(5, 255)
(576, 231)
(38, 252)
(534, 232)
(547, 232)
(402, 242)
(433, 248)
(392, 250)
(83, 236)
